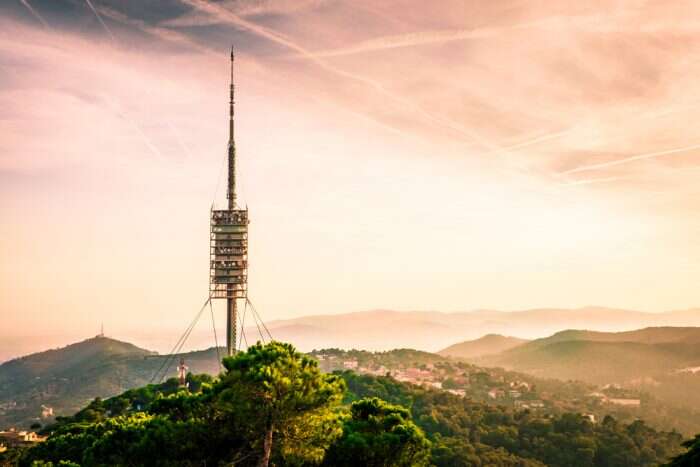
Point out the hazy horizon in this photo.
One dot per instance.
(368, 329)
(459, 156)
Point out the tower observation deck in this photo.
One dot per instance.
(228, 243)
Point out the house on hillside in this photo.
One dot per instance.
(611, 386)
(462, 380)
(417, 373)
(534, 404)
(624, 402)
(350, 364)
(46, 411)
(14, 438)
(514, 394)
(496, 393)
(376, 371)
(521, 385)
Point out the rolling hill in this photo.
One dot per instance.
(605, 357)
(657, 360)
(65, 379)
(487, 345)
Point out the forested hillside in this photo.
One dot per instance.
(499, 387)
(274, 405)
(487, 345)
(472, 433)
(66, 379)
(664, 362)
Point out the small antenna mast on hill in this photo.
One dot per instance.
(182, 373)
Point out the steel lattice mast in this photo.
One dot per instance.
(228, 276)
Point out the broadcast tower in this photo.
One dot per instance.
(228, 243)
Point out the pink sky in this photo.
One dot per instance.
(393, 154)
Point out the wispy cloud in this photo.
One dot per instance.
(423, 112)
(400, 101)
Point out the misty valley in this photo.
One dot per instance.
(642, 383)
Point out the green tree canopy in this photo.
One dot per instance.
(379, 434)
(690, 458)
(274, 391)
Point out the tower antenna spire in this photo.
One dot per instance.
(231, 192)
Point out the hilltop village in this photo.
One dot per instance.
(494, 386)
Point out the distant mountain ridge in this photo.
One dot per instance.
(63, 359)
(432, 331)
(487, 345)
(647, 336)
(650, 335)
(658, 360)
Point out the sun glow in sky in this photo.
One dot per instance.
(401, 154)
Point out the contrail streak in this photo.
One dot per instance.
(625, 177)
(176, 37)
(590, 22)
(626, 160)
(99, 18)
(147, 141)
(279, 39)
(411, 39)
(145, 138)
(165, 34)
(179, 140)
(592, 181)
(135, 125)
(438, 36)
(537, 139)
(123, 115)
(35, 13)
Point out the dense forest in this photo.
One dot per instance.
(273, 406)
(660, 361)
(495, 386)
(471, 433)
